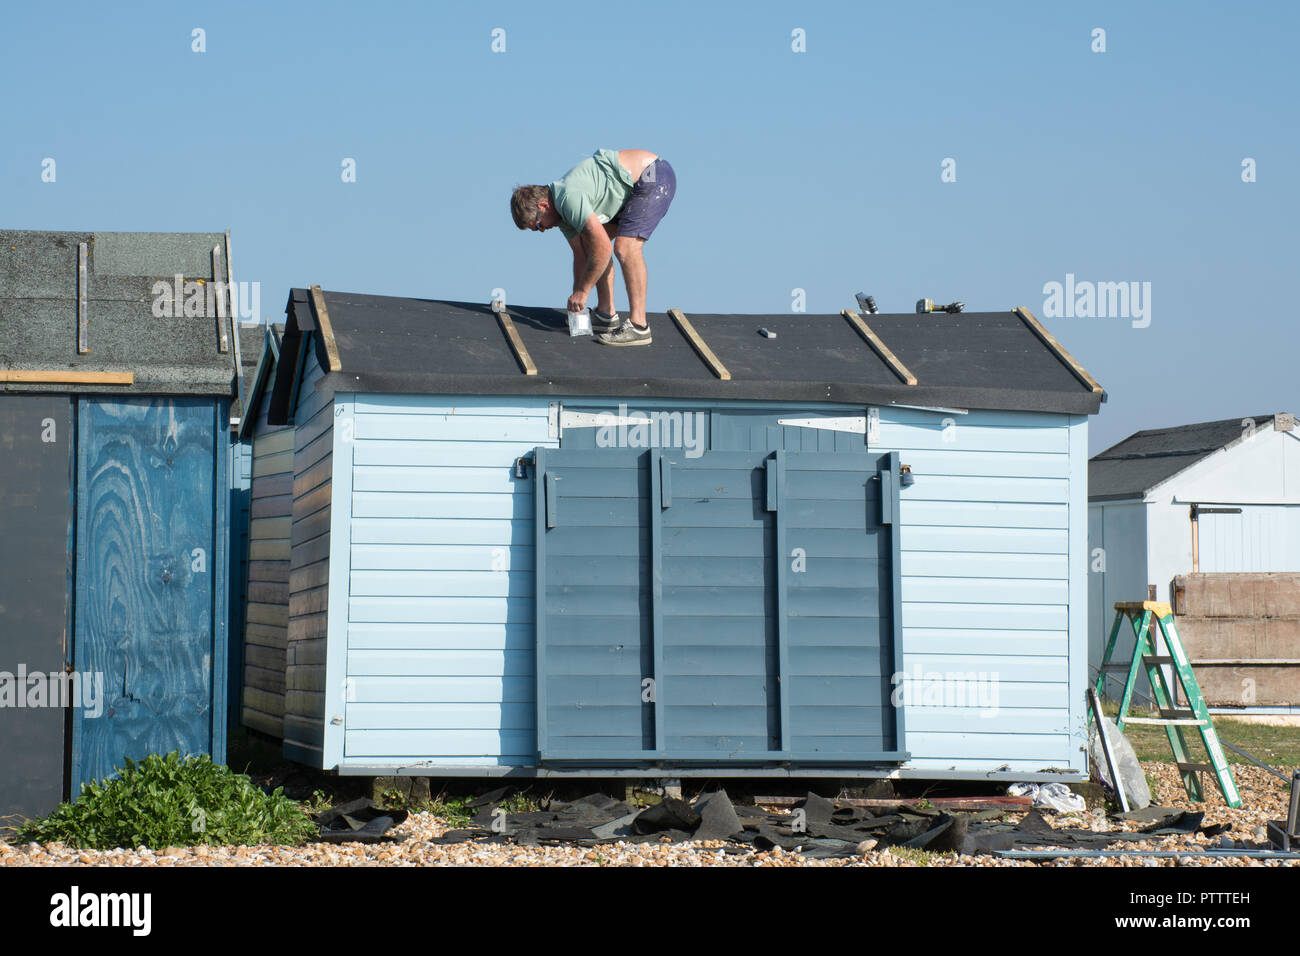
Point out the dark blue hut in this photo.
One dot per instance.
(115, 403)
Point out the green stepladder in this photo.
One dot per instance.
(1145, 617)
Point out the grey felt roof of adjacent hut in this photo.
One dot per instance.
(252, 340)
(1145, 459)
(264, 347)
(39, 312)
(424, 346)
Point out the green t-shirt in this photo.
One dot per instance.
(599, 184)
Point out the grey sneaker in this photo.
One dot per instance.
(600, 322)
(625, 334)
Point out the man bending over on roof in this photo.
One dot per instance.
(617, 195)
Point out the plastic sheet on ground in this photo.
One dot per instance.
(1051, 796)
(1131, 774)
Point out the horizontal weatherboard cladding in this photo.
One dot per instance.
(443, 594)
(309, 575)
(266, 619)
(987, 553)
(440, 660)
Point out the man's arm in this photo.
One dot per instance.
(594, 242)
(579, 260)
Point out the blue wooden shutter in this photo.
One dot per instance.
(676, 622)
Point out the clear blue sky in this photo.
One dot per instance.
(817, 170)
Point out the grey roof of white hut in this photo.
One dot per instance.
(999, 360)
(39, 312)
(1147, 458)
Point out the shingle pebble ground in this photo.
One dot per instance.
(1264, 797)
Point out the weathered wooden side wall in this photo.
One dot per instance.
(1242, 633)
(266, 625)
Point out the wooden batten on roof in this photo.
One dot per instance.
(526, 363)
(1050, 341)
(333, 364)
(66, 376)
(886, 354)
(307, 326)
(701, 347)
(393, 344)
(77, 315)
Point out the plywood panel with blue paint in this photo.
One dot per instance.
(147, 577)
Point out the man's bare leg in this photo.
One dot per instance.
(627, 250)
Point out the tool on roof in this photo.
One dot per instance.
(767, 333)
(866, 303)
(1145, 617)
(927, 305)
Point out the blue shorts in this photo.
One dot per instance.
(650, 199)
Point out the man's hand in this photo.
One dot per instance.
(578, 301)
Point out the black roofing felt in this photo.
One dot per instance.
(973, 360)
(38, 311)
(1146, 458)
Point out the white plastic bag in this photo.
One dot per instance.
(1050, 796)
(1131, 775)
(580, 322)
